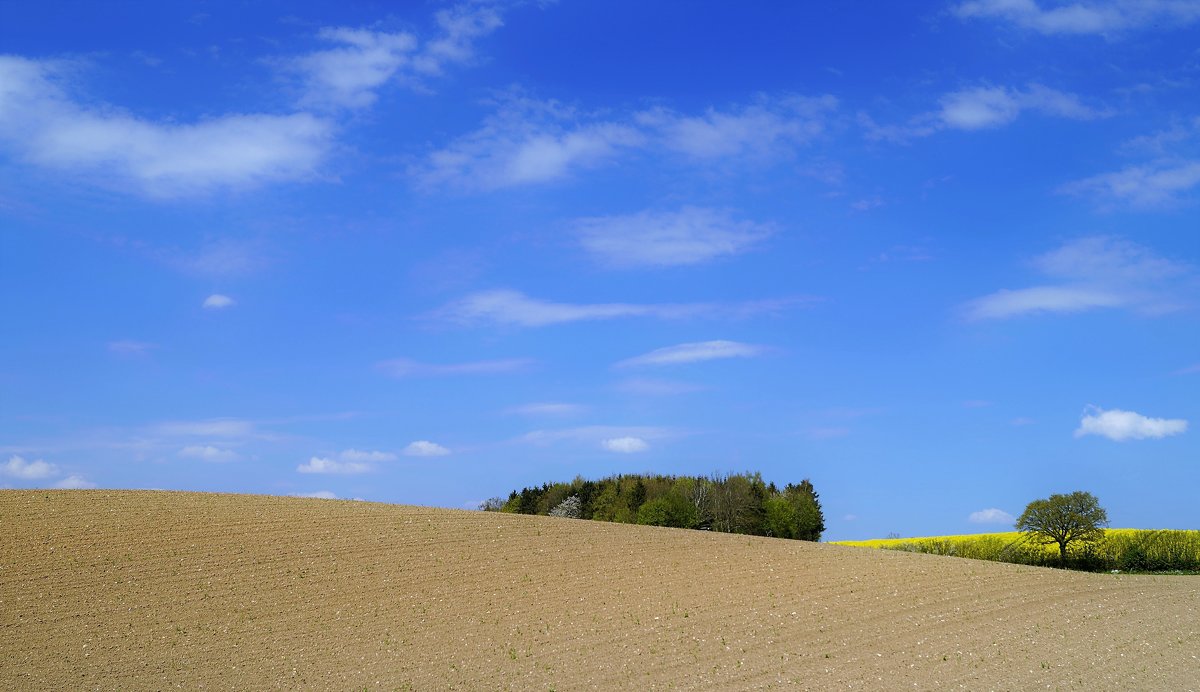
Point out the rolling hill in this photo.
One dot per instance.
(143, 589)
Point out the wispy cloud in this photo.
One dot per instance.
(513, 308)
(219, 258)
(1091, 273)
(366, 456)
(326, 465)
(129, 347)
(692, 235)
(642, 386)
(218, 301)
(1096, 17)
(1044, 299)
(460, 27)
(625, 445)
(761, 129)
(546, 408)
(405, 367)
(45, 127)
(694, 353)
(349, 74)
(528, 141)
(208, 453)
(1159, 184)
(592, 435)
(991, 516)
(425, 448)
(360, 62)
(1119, 425)
(215, 427)
(984, 108)
(318, 495)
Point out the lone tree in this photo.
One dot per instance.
(1064, 519)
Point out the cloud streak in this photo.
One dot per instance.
(1095, 17)
(405, 367)
(513, 308)
(694, 353)
(984, 108)
(1092, 273)
(692, 235)
(527, 141)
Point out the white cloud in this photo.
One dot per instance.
(639, 386)
(1107, 257)
(208, 453)
(625, 445)
(692, 235)
(216, 427)
(548, 408)
(425, 448)
(507, 307)
(515, 308)
(349, 75)
(325, 465)
(361, 62)
(362, 456)
(991, 516)
(1157, 184)
(982, 108)
(75, 482)
(42, 124)
(526, 142)
(129, 347)
(319, 495)
(592, 435)
(975, 109)
(1042, 299)
(18, 467)
(1095, 17)
(761, 129)
(405, 367)
(695, 352)
(529, 141)
(1094, 272)
(460, 27)
(1119, 425)
(217, 302)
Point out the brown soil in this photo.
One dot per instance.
(136, 590)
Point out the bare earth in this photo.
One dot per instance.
(138, 590)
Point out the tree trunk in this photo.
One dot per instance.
(1062, 552)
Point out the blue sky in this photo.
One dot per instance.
(940, 258)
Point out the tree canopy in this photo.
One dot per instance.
(732, 503)
(1064, 519)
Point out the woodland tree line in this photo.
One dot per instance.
(731, 503)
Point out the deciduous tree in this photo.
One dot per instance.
(1064, 519)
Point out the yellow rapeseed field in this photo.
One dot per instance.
(1136, 549)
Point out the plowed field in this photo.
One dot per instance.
(138, 590)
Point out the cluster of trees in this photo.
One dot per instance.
(732, 503)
